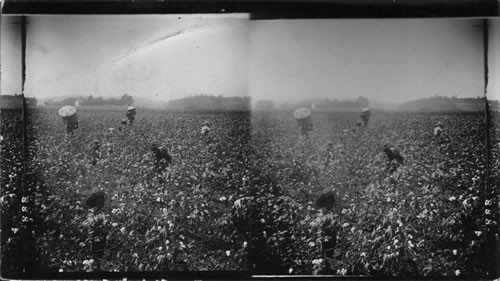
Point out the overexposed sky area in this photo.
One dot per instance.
(160, 57)
(494, 60)
(394, 60)
(171, 56)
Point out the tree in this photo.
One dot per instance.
(362, 102)
(126, 99)
(90, 100)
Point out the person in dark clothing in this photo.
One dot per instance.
(365, 116)
(71, 124)
(161, 156)
(304, 120)
(69, 118)
(96, 200)
(130, 114)
(306, 126)
(394, 158)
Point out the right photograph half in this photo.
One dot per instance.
(376, 149)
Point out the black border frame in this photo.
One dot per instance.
(258, 10)
(265, 9)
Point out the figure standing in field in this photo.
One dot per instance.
(394, 158)
(205, 129)
(438, 130)
(69, 117)
(206, 133)
(304, 120)
(365, 116)
(131, 114)
(439, 134)
(161, 156)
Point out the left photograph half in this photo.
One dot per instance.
(124, 143)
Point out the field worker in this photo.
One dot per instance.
(161, 156)
(69, 117)
(130, 114)
(438, 129)
(304, 120)
(206, 128)
(394, 158)
(365, 116)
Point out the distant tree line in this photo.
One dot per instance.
(443, 103)
(336, 103)
(318, 103)
(91, 101)
(210, 103)
(16, 101)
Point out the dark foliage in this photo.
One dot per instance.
(327, 201)
(393, 154)
(96, 200)
(161, 156)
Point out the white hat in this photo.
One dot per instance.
(67, 111)
(302, 113)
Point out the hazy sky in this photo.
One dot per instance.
(10, 56)
(494, 60)
(154, 56)
(396, 59)
(166, 57)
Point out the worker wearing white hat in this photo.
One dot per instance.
(131, 114)
(68, 115)
(304, 120)
(438, 129)
(205, 129)
(365, 116)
